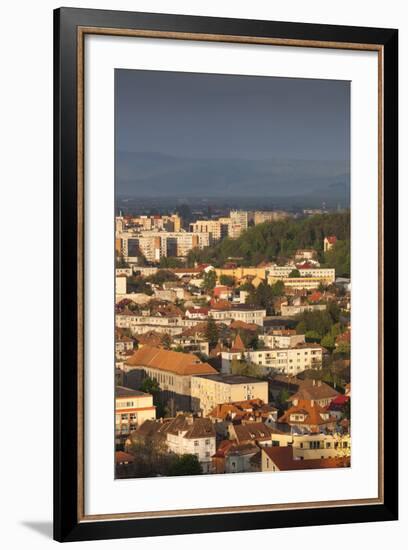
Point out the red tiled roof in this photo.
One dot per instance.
(171, 361)
(312, 414)
(220, 304)
(220, 290)
(122, 457)
(238, 344)
(244, 326)
(200, 310)
(282, 457)
(305, 265)
(314, 390)
(315, 297)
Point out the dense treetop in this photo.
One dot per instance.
(271, 241)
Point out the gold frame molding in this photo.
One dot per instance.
(82, 31)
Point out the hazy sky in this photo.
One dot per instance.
(222, 116)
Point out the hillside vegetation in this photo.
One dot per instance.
(272, 241)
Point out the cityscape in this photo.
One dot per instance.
(232, 309)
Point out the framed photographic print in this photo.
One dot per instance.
(225, 274)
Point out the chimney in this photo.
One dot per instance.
(314, 382)
(319, 383)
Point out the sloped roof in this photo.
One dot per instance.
(171, 361)
(254, 431)
(122, 391)
(151, 338)
(244, 326)
(283, 458)
(312, 414)
(195, 428)
(238, 344)
(121, 457)
(314, 390)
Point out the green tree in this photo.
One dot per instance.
(138, 284)
(270, 240)
(169, 262)
(312, 336)
(262, 296)
(339, 258)
(333, 310)
(278, 288)
(185, 465)
(166, 341)
(151, 458)
(120, 261)
(343, 348)
(294, 273)
(162, 276)
(282, 398)
(150, 385)
(346, 412)
(245, 368)
(211, 332)
(209, 280)
(328, 342)
(227, 280)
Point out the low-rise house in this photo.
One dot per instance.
(329, 242)
(222, 292)
(123, 343)
(259, 433)
(315, 391)
(313, 446)
(278, 459)
(208, 390)
(308, 417)
(197, 313)
(173, 371)
(139, 298)
(242, 412)
(151, 338)
(188, 435)
(184, 434)
(232, 457)
(338, 406)
(132, 408)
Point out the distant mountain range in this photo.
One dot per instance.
(285, 181)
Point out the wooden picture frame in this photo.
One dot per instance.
(70, 27)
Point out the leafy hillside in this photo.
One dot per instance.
(273, 240)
